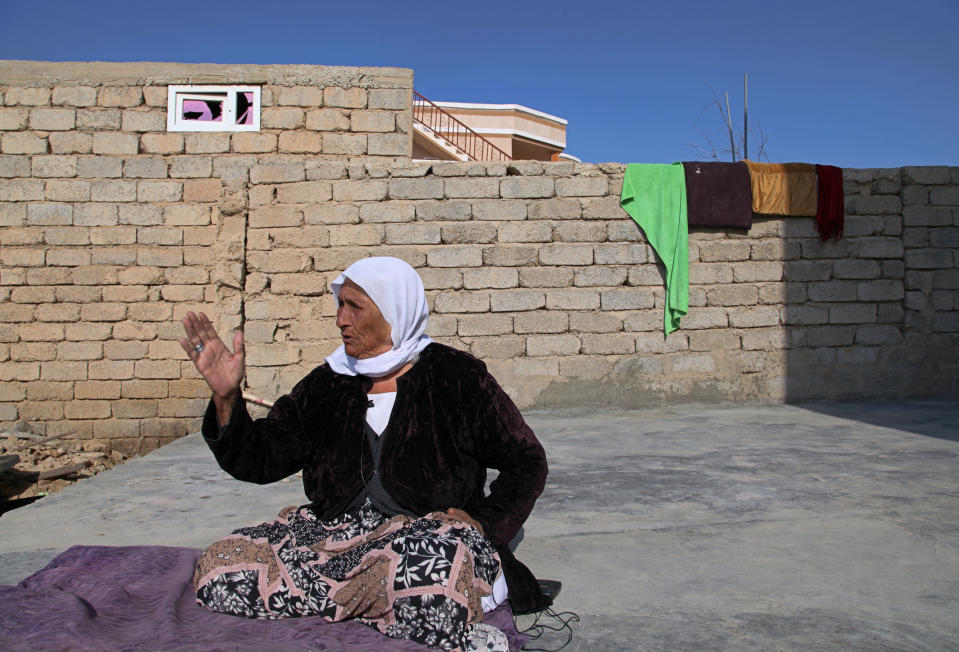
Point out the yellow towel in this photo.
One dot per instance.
(783, 188)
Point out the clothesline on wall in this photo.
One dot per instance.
(666, 200)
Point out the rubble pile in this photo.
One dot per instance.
(33, 465)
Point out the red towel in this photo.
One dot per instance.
(829, 208)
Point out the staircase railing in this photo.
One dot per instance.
(441, 123)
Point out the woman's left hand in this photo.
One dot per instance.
(460, 515)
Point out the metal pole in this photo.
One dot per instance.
(729, 125)
(745, 115)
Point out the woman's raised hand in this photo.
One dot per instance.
(222, 370)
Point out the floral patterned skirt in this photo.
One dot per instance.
(419, 579)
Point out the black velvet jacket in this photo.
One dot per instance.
(451, 421)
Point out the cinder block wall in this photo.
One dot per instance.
(111, 228)
(536, 269)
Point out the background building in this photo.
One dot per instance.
(465, 131)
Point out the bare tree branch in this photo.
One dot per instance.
(737, 137)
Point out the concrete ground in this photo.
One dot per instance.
(692, 527)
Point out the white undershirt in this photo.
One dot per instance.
(378, 417)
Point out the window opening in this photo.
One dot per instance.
(213, 108)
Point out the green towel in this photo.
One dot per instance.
(654, 195)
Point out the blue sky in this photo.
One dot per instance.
(848, 83)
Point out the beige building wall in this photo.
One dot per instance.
(112, 228)
(536, 269)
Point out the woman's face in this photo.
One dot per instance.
(364, 331)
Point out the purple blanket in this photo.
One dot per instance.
(141, 598)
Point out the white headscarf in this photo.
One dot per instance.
(397, 290)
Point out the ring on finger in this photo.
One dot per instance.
(198, 347)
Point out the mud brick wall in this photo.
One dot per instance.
(112, 228)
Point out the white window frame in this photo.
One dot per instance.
(177, 93)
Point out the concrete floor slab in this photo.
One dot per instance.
(693, 527)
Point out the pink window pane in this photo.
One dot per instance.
(244, 103)
(203, 110)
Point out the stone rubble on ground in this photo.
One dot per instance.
(43, 456)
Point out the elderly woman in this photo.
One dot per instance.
(394, 435)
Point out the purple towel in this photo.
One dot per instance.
(718, 194)
(141, 598)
